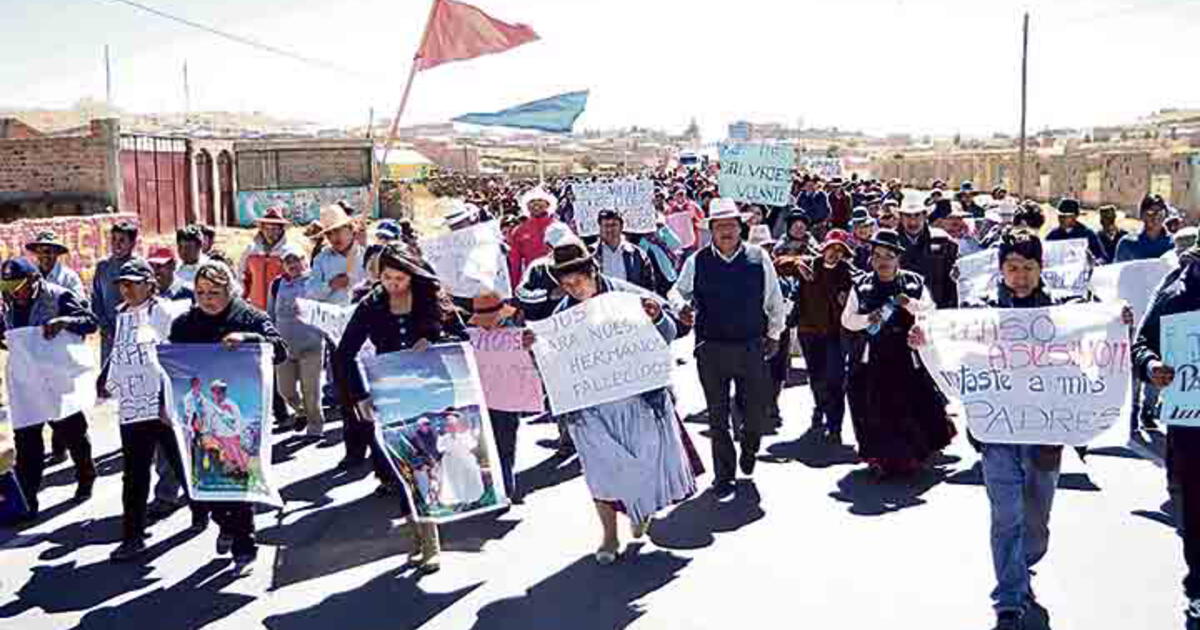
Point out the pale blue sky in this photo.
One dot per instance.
(907, 65)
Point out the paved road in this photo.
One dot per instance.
(812, 543)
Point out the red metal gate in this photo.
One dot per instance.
(157, 177)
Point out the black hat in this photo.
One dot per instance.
(571, 258)
(941, 209)
(609, 214)
(797, 214)
(873, 199)
(1068, 206)
(1153, 201)
(889, 239)
(136, 270)
(859, 215)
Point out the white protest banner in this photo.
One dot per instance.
(134, 376)
(826, 167)
(1180, 343)
(47, 379)
(331, 320)
(1054, 375)
(632, 199)
(1065, 268)
(600, 351)
(1132, 281)
(509, 379)
(470, 261)
(683, 227)
(756, 172)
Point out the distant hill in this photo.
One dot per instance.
(236, 124)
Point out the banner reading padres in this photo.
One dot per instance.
(1055, 375)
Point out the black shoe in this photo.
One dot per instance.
(1010, 620)
(159, 510)
(746, 462)
(56, 458)
(83, 491)
(299, 423)
(224, 544)
(722, 488)
(1192, 616)
(199, 523)
(350, 463)
(128, 550)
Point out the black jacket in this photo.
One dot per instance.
(196, 326)
(374, 320)
(1178, 293)
(935, 257)
(639, 270)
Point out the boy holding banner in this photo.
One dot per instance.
(1178, 296)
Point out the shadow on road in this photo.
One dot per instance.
(194, 602)
(67, 587)
(106, 464)
(973, 476)
(585, 595)
(871, 496)
(691, 525)
(391, 600)
(548, 473)
(811, 450)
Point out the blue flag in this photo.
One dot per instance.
(556, 114)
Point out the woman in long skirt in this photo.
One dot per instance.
(632, 452)
(899, 416)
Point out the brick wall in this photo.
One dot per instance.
(54, 176)
(302, 167)
(1116, 177)
(14, 129)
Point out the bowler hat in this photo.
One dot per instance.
(1068, 206)
(889, 239)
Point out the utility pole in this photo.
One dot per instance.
(107, 79)
(187, 93)
(370, 123)
(1024, 87)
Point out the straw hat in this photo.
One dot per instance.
(333, 216)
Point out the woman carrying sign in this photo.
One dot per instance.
(634, 458)
(405, 311)
(220, 315)
(899, 416)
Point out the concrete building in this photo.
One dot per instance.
(302, 175)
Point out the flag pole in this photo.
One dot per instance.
(391, 138)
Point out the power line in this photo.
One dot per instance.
(242, 40)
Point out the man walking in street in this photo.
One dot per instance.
(105, 296)
(930, 252)
(730, 293)
(1180, 295)
(618, 258)
(1069, 227)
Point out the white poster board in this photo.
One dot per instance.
(1055, 375)
(1132, 281)
(47, 379)
(470, 261)
(1065, 267)
(632, 199)
(600, 351)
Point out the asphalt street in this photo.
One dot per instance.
(811, 542)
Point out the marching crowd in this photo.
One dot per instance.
(843, 273)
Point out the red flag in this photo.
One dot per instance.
(460, 31)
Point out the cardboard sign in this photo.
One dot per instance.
(600, 351)
(470, 261)
(221, 414)
(1180, 343)
(506, 370)
(48, 379)
(683, 228)
(1132, 281)
(632, 199)
(1055, 375)
(435, 431)
(1065, 267)
(757, 173)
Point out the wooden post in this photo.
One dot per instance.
(391, 139)
(1024, 85)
